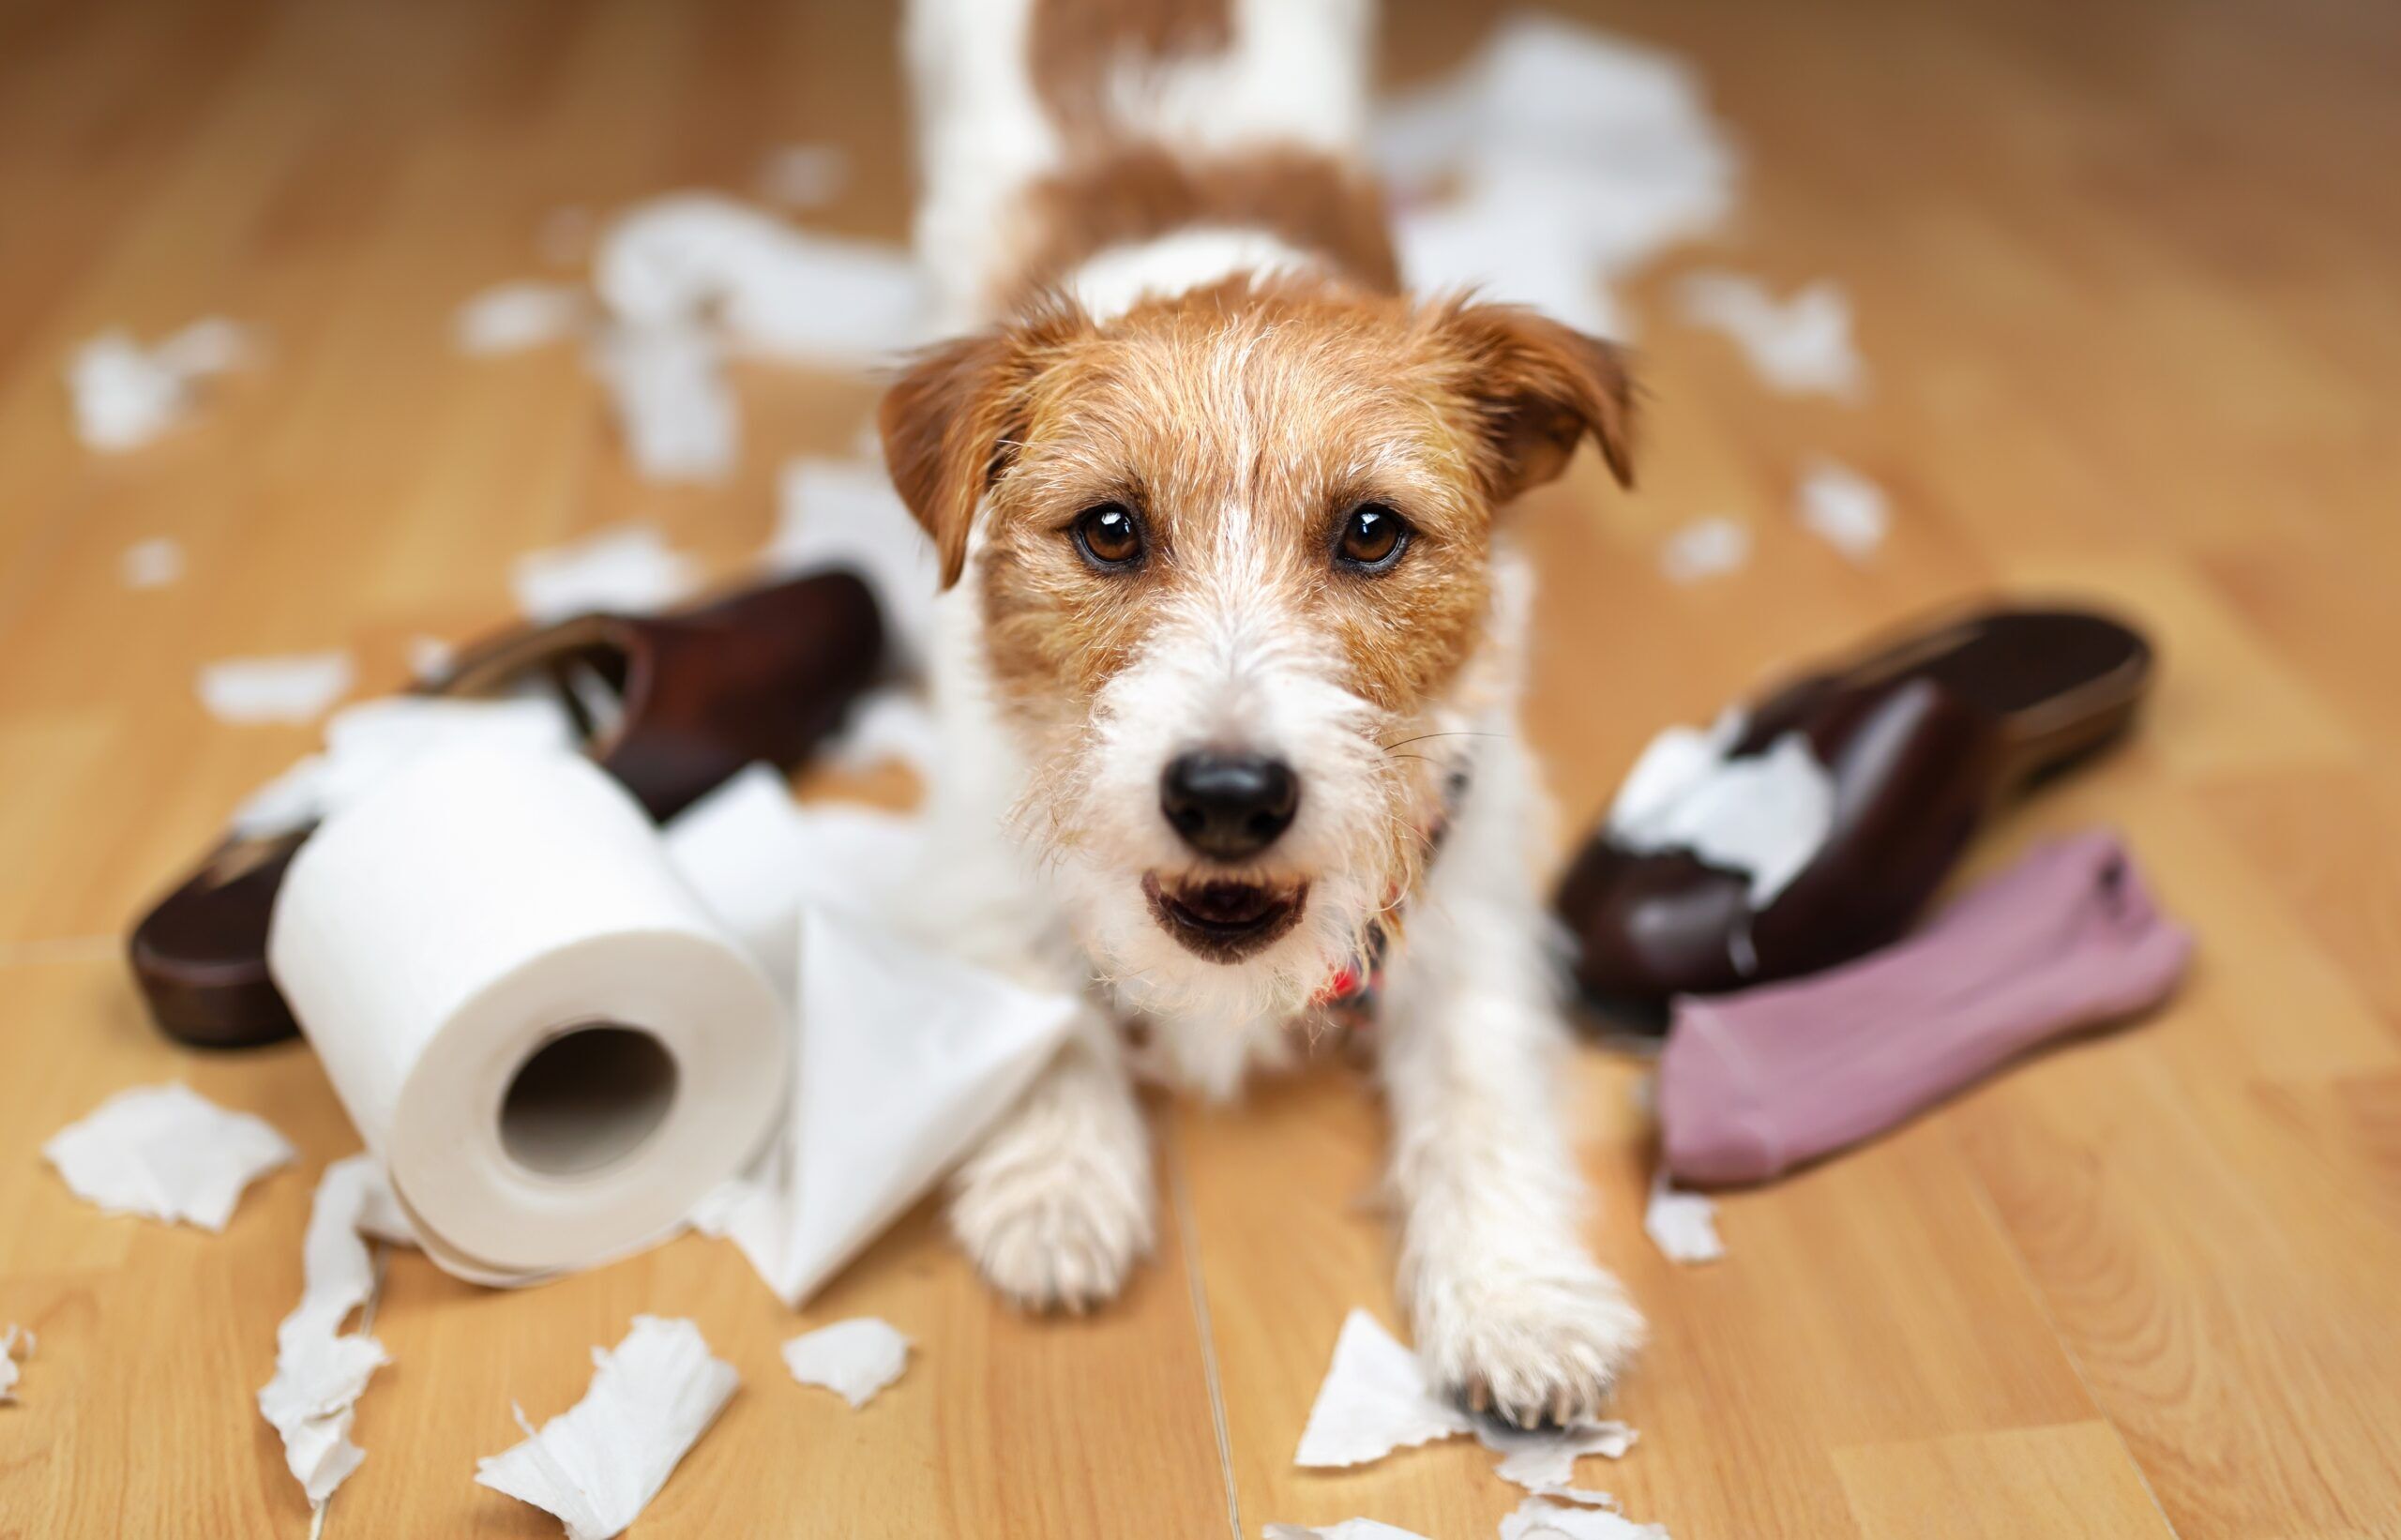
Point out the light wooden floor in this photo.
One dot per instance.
(2128, 279)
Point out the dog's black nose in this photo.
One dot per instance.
(1228, 806)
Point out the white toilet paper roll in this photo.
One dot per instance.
(539, 1029)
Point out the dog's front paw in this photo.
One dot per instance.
(1532, 1344)
(1056, 1211)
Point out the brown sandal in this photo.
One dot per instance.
(671, 706)
(1922, 738)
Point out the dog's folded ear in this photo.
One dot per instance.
(1535, 389)
(952, 423)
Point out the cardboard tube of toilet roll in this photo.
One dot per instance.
(538, 1028)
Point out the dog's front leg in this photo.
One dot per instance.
(1056, 1206)
(1509, 1308)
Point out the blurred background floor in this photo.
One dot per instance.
(2128, 286)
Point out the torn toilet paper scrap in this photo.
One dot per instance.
(904, 1057)
(294, 688)
(1561, 1517)
(1374, 1400)
(854, 1359)
(768, 286)
(1544, 1458)
(677, 414)
(321, 1370)
(513, 317)
(843, 514)
(1763, 815)
(1683, 1225)
(597, 1464)
(367, 742)
(630, 569)
(1570, 156)
(1706, 548)
(124, 395)
(1843, 509)
(154, 563)
(756, 857)
(16, 1343)
(1798, 346)
(1349, 1528)
(168, 1153)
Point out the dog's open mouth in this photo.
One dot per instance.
(1224, 922)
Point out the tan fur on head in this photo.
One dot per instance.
(1512, 391)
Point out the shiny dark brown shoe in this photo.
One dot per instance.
(1921, 739)
(671, 706)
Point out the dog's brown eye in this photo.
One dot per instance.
(1372, 539)
(1108, 537)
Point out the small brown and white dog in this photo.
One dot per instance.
(1230, 652)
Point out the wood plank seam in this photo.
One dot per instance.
(1179, 1194)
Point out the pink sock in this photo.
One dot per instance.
(1755, 1083)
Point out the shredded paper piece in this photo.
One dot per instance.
(1704, 548)
(769, 286)
(627, 570)
(366, 742)
(835, 514)
(321, 1370)
(1765, 815)
(674, 409)
(1564, 1517)
(1544, 1459)
(1349, 1528)
(125, 395)
(513, 317)
(154, 563)
(1374, 1400)
(1800, 346)
(292, 688)
(1683, 1225)
(854, 1359)
(1570, 158)
(16, 1343)
(168, 1153)
(804, 175)
(1844, 508)
(597, 1464)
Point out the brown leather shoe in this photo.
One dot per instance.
(683, 701)
(1921, 739)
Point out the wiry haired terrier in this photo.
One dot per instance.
(1231, 647)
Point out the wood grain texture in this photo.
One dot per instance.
(2127, 283)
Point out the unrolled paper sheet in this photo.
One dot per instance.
(597, 1464)
(757, 858)
(844, 514)
(904, 1057)
(166, 1152)
(1349, 1528)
